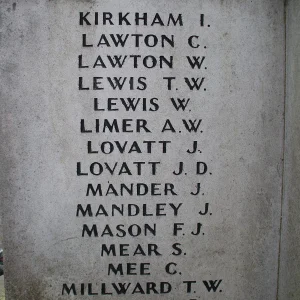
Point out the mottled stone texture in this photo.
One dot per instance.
(289, 287)
(242, 114)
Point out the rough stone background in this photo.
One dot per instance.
(2, 291)
(40, 42)
(289, 287)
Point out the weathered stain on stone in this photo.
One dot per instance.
(80, 1)
(33, 289)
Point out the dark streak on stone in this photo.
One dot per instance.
(35, 290)
(82, 1)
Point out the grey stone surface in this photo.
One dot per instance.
(289, 287)
(242, 143)
(2, 290)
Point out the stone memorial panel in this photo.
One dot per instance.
(142, 146)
